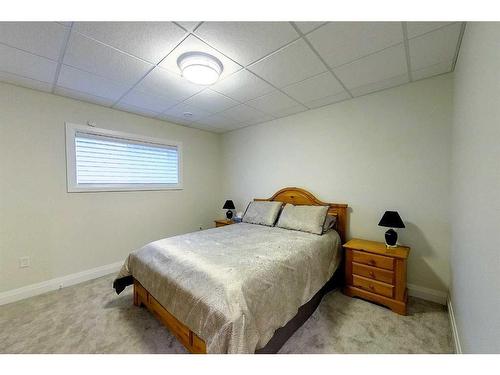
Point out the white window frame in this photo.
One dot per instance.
(74, 187)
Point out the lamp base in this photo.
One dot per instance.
(229, 214)
(391, 238)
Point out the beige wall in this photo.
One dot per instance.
(381, 151)
(388, 150)
(64, 233)
(475, 253)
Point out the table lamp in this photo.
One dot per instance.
(229, 205)
(391, 219)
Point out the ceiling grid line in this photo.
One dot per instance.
(457, 51)
(149, 71)
(193, 105)
(45, 61)
(249, 65)
(26, 51)
(433, 30)
(61, 57)
(110, 46)
(245, 67)
(407, 50)
(365, 56)
(321, 58)
(189, 33)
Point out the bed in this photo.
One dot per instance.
(241, 288)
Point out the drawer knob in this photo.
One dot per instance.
(371, 287)
(372, 275)
(372, 262)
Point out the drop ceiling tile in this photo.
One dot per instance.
(307, 27)
(274, 103)
(177, 120)
(434, 47)
(136, 110)
(289, 65)
(208, 128)
(289, 111)
(246, 42)
(75, 79)
(25, 82)
(432, 70)
(147, 101)
(341, 42)
(218, 121)
(25, 64)
(150, 41)
(83, 96)
(211, 101)
(181, 110)
(245, 114)
(188, 25)
(41, 38)
(242, 86)
(317, 87)
(418, 28)
(232, 127)
(192, 43)
(255, 121)
(328, 100)
(94, 57)
(381, 85)
(374, 68)
(164, 83)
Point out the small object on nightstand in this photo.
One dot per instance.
(223, 223)
(229, 205)
(376, 273)
(238, 218)
(391, 219)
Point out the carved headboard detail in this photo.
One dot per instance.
(298, 196)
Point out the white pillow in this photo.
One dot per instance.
(304, 218)
(262, 212)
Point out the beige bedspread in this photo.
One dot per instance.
(235, 285)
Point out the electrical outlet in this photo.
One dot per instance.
(24, 262)
(201, 227)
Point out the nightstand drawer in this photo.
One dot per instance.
(373, 273)
(373, 286)
(373, 260)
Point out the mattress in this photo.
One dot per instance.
(235, 285)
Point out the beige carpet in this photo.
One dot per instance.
(91, 318)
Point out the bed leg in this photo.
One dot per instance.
(136, 298)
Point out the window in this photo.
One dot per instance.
(105, 160)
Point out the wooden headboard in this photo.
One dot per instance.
(298, 196)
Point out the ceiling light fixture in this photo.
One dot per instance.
(200, 67)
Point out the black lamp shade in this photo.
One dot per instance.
(391, 219)
(229, 205)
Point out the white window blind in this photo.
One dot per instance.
(105, 160)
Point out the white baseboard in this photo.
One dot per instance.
(57, 283)
(427, 294)
(454, 329)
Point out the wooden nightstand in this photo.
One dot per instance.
(223, 223)
(376, 273)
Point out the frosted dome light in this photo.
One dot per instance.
(200, 68)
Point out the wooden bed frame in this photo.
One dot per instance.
(188, 338)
